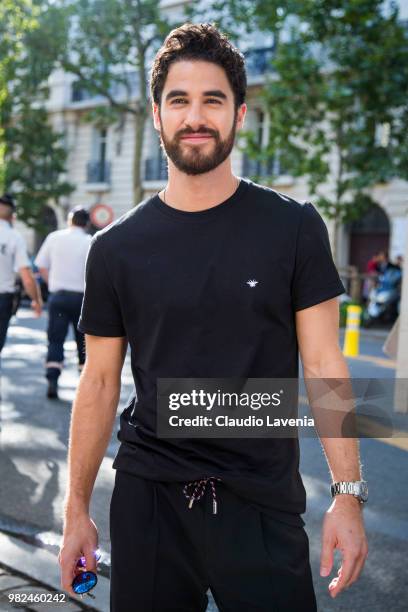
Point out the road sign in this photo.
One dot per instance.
(101, 215)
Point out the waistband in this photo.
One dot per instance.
(66, 292)
(199, 490)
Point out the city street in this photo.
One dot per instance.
(33, 452)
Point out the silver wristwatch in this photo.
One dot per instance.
(358, 489)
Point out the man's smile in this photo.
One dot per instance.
(196, 138)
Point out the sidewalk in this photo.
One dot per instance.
(14, 587)
(30, 581)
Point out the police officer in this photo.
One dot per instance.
(13, 260)
(61, 261)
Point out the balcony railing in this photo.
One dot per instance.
(257, 63)
(256, 167)
(155, 169)
(79, 92)
(98, 171)
(258, 60)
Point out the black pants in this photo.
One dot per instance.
(6, 307)
(165, 556)
(64, 308)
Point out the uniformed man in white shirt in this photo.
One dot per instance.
(61, 261)
(13, 260)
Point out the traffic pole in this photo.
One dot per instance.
(352, 335)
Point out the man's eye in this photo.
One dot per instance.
(182, 100)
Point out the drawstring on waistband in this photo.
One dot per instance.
(199, 491)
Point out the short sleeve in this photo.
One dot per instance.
(43, 259)
(315, 277)
(21, 258)
(101, 312)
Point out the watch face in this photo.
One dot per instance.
(363, 491)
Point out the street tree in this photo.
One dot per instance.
(110, 46)
(32, 154)
(15, 19)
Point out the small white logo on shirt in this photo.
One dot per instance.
(252, 283)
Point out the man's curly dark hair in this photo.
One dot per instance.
(202, 41)
(7, 199)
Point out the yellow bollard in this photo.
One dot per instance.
(352, 335)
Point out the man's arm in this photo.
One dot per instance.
(93, 415)
(23, 268)
(318, 338)
(32, 289)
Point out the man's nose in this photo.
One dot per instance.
(195, 116)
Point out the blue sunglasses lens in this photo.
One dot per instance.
(84, 582)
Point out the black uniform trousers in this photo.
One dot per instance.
(64, 308)
(165, 556)
(6, 309)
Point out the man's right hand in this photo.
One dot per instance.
(37, 307)
(80, 539)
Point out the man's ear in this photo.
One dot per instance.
(241, 116)
(156, 116)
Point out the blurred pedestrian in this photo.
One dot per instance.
(61, 262)
(13, 260)
(384, 263)
(399, 261)
(372, 269)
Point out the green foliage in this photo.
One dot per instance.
(15, 20)
(32, 157)
(108, 40)
(108, 51)
(337, 95)
(338, 81)
(36, 165)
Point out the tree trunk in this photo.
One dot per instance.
(140, 117)
(140, 122)
(334, 242)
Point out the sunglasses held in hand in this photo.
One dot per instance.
(85, 581)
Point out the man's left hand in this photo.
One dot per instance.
(37, 306)
(343, 528)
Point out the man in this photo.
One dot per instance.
(372, 271)
(13, 260)
(214, 277)
(384, 263)
(61, 262)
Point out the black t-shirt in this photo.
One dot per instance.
(175, 283)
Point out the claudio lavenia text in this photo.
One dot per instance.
(249, 421)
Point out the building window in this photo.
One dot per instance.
(261, 167)
(98, 169)
(155, 166)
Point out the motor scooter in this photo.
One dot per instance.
(384, 299)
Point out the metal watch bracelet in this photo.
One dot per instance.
(358, 489)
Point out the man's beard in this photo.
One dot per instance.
(189, 158)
